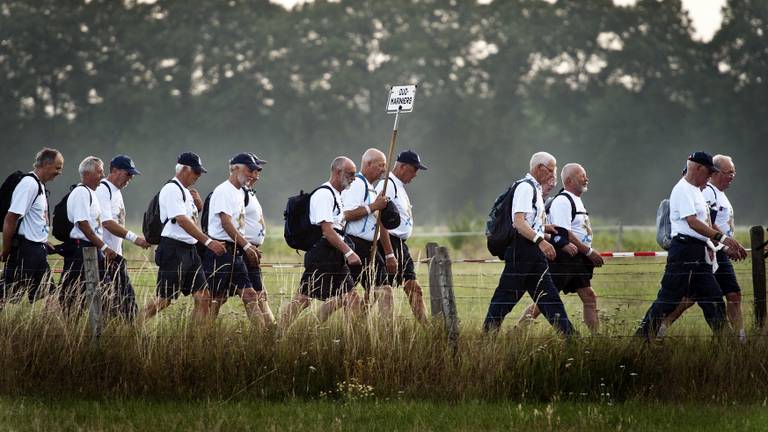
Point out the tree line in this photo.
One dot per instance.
(626, 91)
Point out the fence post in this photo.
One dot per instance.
(442, 299)
(620, 237)
(757, 240)
(435, 296)
(92, 291)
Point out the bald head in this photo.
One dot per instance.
(575, 179)
(373, 165)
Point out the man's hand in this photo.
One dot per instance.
(380, 202)
(141, 242)
(6, 253)
(196, 199)
(550, 229)
(217, 247)
(354, 260)
(253, 257)
(596, 258)
(391, 265)
(570, 249)
(548, 249)
(735, 250)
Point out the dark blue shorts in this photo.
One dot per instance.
(326, 273)
(27, 268)
(226, 273)
(254, 275)
(726, 275)
(180, 270)
(363, 250)
(571, 273)
(406, 270)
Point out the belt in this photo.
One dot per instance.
(689, 240)
(177, 243)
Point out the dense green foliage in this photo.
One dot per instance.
(625, 90)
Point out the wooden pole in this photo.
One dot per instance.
(447, 297)
(372, 262)
(435, 295)
(757, 240)
(92, 291)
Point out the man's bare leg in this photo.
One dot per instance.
(202, 308)
(416, 299)
(589, 301)
(151, 309)
(216, 305)
(329, 307)
(529, 316)
(266, 312)
(733, 310)
(293, 309)
(251, 302)
(385, 296)
(685, 303)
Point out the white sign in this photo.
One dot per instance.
(401, 99)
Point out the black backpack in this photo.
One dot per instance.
(299, 233)
(61, 226)
(207, 205)
(548, 204)
(499, 232)
(152, 226)
(6, 193)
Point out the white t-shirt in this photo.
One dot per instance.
(353, 198)
(522, 202)
(173, 204)
(83, 205)
(255, 228)
(687, 200)
(228, 199)
(403, 203)
(323, 209)
(718, 201)
(32, 208)
(111, 209)
(560, 215)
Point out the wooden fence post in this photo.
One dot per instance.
(92, 291)
(757, 240)
(442, 300)
(435, 296)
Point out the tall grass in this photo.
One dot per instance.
(366, 359)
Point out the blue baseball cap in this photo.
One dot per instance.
(703, 158)
(410, 157)
(248, 160)
(124, 162)
(193, 161)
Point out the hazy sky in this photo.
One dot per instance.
(705, 14)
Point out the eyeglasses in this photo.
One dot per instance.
(349, 175)
(549, 170)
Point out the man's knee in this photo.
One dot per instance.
(733, 298)
(301, 300)
(351, 298)
(588, 296)
(249, 295)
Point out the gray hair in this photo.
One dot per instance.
(370, 155)
(45, 157)
(233, 168)
(179, 168)
(718, 160)
(568, 170)
(89, 164)
(338, 163)
(541, 158)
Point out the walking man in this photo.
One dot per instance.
(326, 274)
(407, 167)
(84, 212)
(179, 266)
(120, 298)
(25, 232)
(526, 267)
(688, 272)
(227, 273)
(360, 202)
(576, 259)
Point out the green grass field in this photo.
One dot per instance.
(172, 375)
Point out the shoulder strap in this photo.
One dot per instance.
(247, 198)
(365, 185)
(106, 185)
(394, 184)
(90, 197)
(714, 192)
(183, 195)
(335, 204)
(39, 190)
(533, 200)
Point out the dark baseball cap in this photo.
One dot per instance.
(193, 161)
(256, 158)
(703, 158)
(246, 159)
(410, 157)
(124, 162)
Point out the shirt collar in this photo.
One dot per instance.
(397, 181)
(528, 176)
(715, 187)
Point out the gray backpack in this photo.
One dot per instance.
(663, 225)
